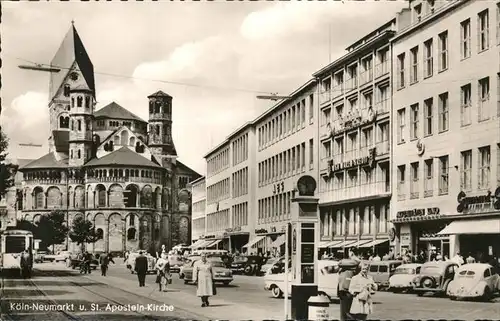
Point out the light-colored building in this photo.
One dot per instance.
(446, 107)
(230, 173)
(354, 132)
(198, 205)
(286, 149)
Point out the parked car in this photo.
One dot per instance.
(221, 273)
(39, 256)
(249, 265)
(381, 271)
(270, 263)
(434, 277)
(75, 262)
(130, 263)
(175, 261)
(327, 282)
(403, 276)
(62, 256)
(476, 280)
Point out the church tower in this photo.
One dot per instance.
(160, 127)
(80, 135)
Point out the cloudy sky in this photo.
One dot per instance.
(220, 47)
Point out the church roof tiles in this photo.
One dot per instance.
(47, 161)
(123, 156)
(116, 111)
(159, 93)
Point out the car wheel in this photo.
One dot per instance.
(486, 295)
(186, 281)
(226, 283)
(276, 292)
(132, 271)
(427, 282)
(453, 298)
(420, 294)
(248, 270)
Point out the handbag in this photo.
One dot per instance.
(363, 295)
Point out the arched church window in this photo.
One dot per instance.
(157, 131)
(61, 122)
(131, 234)
(66, 91)
(157, 107)
(72, 102)
(100, 233)
(87, 125)
(71, 152)
(87, 102)
(151, 107)
(66, 122)
(79, 153)
(79, 125)
(79, 101)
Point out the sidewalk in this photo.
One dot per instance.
(218, 310)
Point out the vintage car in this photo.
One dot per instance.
(175, 261)
(328, 280)
(249, 265)
(221, 273)
(39, 256)
(61, 256)
(130, 263)
(403, 276)
(475, 280)
(74, 262)
(270, 263)
(434, 277)
(381, 271)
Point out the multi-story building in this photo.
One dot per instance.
(286, 149)
(447, 128)
(230, 174)
(354, 133)
(198, 205)
(105, 166)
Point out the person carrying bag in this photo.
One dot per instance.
(362, 288)
(163, 277)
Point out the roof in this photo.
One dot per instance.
(123, 156)
(185, 168)
(198, 180)
(116, 111)
(71, 50)
(159, 93)
(228, 138)
(61, 140)
(409, 265)
(47, 161)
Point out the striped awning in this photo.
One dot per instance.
(279, 241)
(254, 241)
(358, 243)
(373, 243)
(343, 244)
(484, 226)
(213, 243)
(195, 244)
(203, 244)
(333, 244)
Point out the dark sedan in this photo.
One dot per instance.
(249, 265)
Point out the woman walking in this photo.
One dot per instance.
(203, 274)
(163, 276)
(362, 288)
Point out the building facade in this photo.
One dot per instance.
(354, 133)
(446, 107)
(106, 166)
(198, 201)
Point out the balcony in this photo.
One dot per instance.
(366, 76)
(382, 107)
(383, 148)
(111, 179)
(325, 97)
(351, 84)
(381, 69)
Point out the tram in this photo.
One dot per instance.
(13, 243)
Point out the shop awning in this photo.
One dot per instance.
(203, 244)
(343, 244)
(279, 241)
(486, 226)
(213, 243)
(254, 241)
(196, 244)
(324, 244)
(359, 243)
(373, 243)
(333, 244)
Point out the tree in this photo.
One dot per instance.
(27, 226)
(7, 171)
(51, 228)
(83, 231)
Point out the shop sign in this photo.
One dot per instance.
(233, 229)
(418, 212)
(405, 239)
(354, 119)
(477, 204)
(279, 188)
(209, 237)
(362, 161)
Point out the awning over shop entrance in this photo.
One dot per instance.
(203, 244)
(359, 243)
(333, 244)
(254, 241)
(343, 244)
(486, 226)
(279, 241)
(196, 244)
(324, 244)
(213, 243)
(373, 243)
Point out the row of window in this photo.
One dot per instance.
(285, 164)
(198, 225)
(218, 191)
(418, 10)
(162, 133)
(199, 207)
(275, 208)
(114, 123)
(357, 220)
(218, 162)
(373, 180)
(285, 123)
(240, 149)
(159, 107)
(240, 214)
(79, 102)
(240, 182)
(199, 189)
(482, 177)
(218, 221)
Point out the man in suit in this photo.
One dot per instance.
(347, 271)
(141, 268)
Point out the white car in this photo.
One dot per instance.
(403, 277)
(62, 256)
(475, 280)
(327, 283)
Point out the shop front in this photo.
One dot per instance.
(266, 240)
(212, 242)
(237, 238)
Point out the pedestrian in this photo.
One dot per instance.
(141, 268)
(203, 276)
(362, 288)
(163, 276)
(24, 264)
(470, 259)
(87, 261)
(104, 261)
(347, 270)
